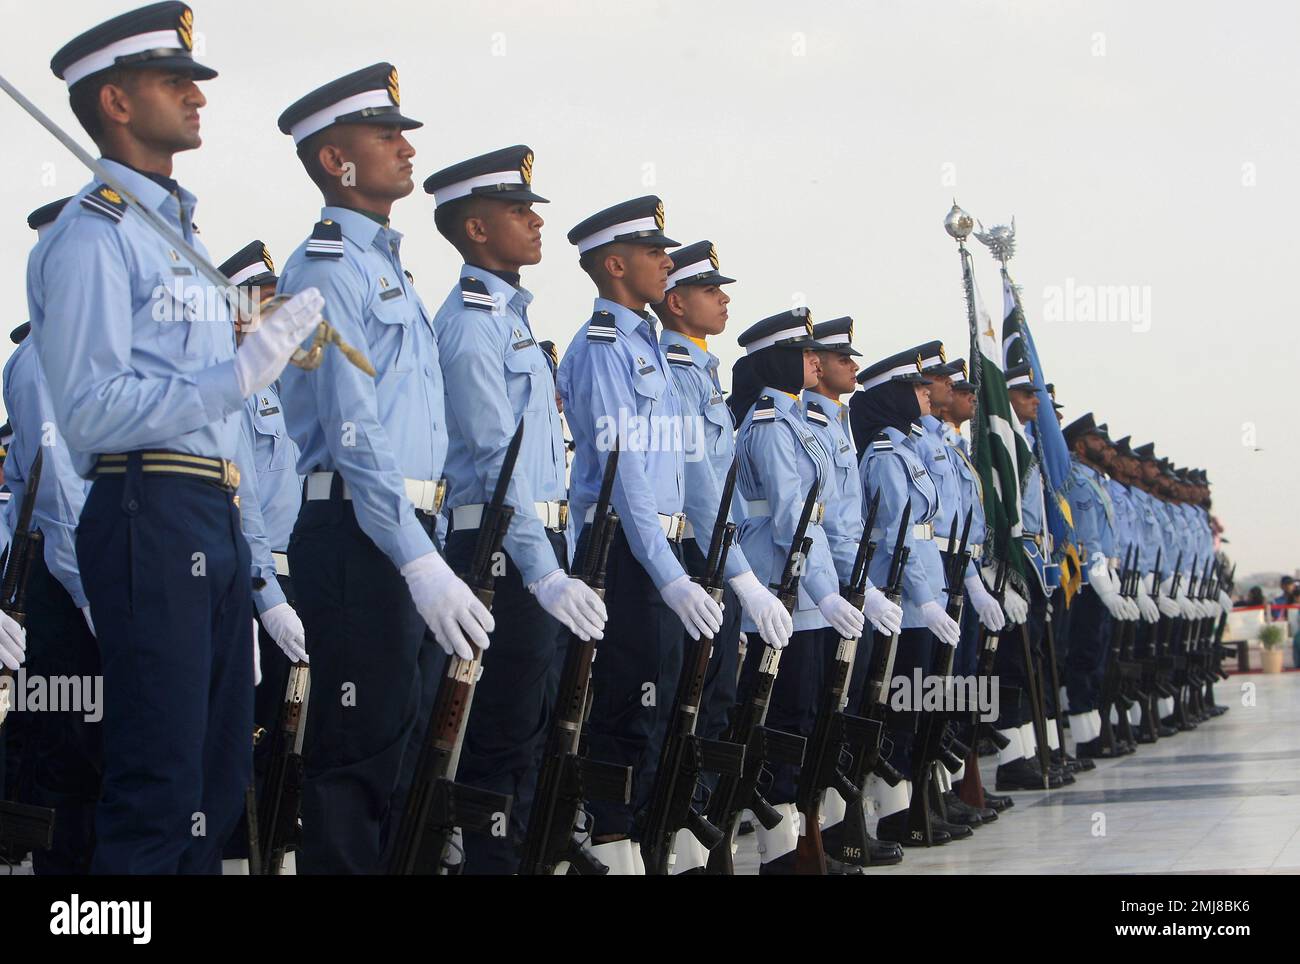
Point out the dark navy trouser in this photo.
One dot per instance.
(720, 680)
(166, 570)
(63, 765)
(633, 679)
(364, 637)
(511, 709)
(793, 704)
(1090, 628)
(915, 650)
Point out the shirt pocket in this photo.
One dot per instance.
(649, 384)
(270, 447)
(719, 427)
(391, 337)
(526, 381)
(173, 306)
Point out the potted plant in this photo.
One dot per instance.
(1271, 636)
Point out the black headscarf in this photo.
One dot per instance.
(776, 367)
(892, 404)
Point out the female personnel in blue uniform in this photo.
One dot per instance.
(780, 459)
(884, 419)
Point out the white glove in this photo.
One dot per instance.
(257, 657)
(448, 606)
(694, 607)
(282, 622)
(13, 643)
(90, 623)
(945, 629)
(1225, 603)
(1016, 608)
(990, 613)
(774, 623)
(843, 617)
(1165, 602)
(1099, 579)
(1132, 612)
(265, 350)
(1185, 606)
(573, 603)
(1150, 612)
(884, 615)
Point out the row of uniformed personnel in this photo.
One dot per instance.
(361, 497)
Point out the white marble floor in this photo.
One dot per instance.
(1223, 798)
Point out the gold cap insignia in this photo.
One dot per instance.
(394, 92)
(109, 195)
(918, 362)
(943, 357)
(185, 29)
(713, 257)
(526, 167)
(266, 260)
(964, 372)
(659, 215)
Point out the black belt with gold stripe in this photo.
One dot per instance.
(222, 472)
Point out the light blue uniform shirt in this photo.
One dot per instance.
(711, 442)
(615, 384)
(496, 376)
(375, 431)
(968, 489)
(893, 466)
(845, 510)
(1093, 519)
(1126, 531)
(1149, 535)
(780, 461)
(62, 493)
(276, 489)
(137, 349)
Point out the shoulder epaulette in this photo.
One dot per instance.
(474, 294)
(104, 200)
(764, 410)
(601, 327)
(882, 443)
(678, 355)
(816, 415)
(326, 240)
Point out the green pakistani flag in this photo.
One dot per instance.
(1001, 454)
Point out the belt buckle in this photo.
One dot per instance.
(819, 513)
(563, 514)
(439, 494)
(678, 527)
(229, 474)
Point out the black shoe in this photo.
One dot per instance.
(744, 827)
(894, 828)
(1144, 737)
(884, 853)
(1064, 776)
(959, 811)
(998, 802)
(1093, 750)
(838, 868)
(781, 867)
(1023, 774)
(879, 852)
(956, 831)
(1217, 709)
(987, 747)
(1164, 731)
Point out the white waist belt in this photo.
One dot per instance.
(673, 526)
(281, 561)
(922, 530)
(425, 494)
(952, 546)
(554, 515)
(762, 507)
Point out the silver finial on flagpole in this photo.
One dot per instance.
(958, 223)
(1000, 240)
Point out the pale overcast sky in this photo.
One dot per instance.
(1146, 146)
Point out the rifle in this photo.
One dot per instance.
(972, 787)
(930, 743)
(23, 828)
(437, 805)
(1155, 688)
(1181, 633)
(734, 794)
(282, 792)
(823, 766)
(685, 756)
(566, 778)
(872, 706)
(1111, 694)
